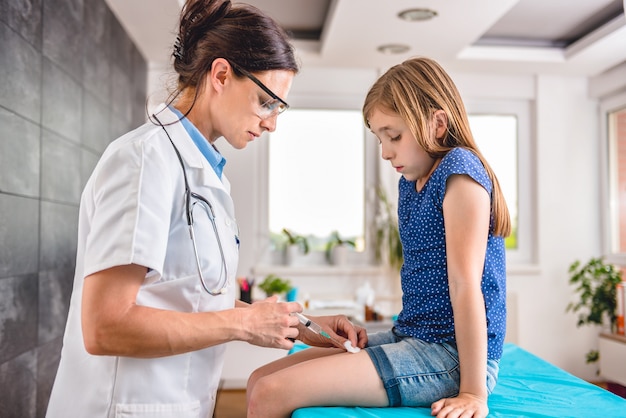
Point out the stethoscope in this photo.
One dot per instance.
(208, 207)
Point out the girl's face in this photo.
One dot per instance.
(399, 146)
(246, 109)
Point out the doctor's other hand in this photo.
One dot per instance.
(269, 323)
(340, 328)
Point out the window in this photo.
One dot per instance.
(613, 115)
(617, 138)
(316, 171)
(496, 136)
(502, 131)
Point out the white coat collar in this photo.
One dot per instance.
(191, 155)
(188, 150)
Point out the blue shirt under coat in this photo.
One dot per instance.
(212, 155)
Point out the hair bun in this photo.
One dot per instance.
(197, 18)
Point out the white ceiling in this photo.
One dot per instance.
(578, 37)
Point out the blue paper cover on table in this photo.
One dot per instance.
(527, 387)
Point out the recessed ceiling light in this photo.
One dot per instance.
(415, 15)
(393, 49)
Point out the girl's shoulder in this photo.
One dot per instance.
(461, 161)
(460, 156)
(464, 161)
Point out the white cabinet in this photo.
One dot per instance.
(613, 358)
(242, 359)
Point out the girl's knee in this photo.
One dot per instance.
(251, 381)
(254, 378)
(263, 395)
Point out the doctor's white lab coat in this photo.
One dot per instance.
(133, 212)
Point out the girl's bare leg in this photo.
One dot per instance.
(314, 377)
(287, 361)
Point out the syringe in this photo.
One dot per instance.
(316, 328)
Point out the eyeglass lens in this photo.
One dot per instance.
(271, 107)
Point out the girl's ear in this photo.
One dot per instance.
(440, 120)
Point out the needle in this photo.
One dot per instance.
(317, 329)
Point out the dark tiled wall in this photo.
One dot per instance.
(71, 80)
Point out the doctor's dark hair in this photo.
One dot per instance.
(414, 90)
(239, 33)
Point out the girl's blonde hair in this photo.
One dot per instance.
(414, 90)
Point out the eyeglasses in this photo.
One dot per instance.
(271, 107)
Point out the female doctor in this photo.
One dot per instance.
(154, 295)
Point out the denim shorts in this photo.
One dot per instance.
(417, 373)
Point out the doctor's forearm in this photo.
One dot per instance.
(113, 324)
(147, 332)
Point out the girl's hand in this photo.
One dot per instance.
(338, 327)
(466, 405)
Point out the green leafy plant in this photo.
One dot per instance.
(336, 240)
(273, 285)
(595, 284)
(387, 234)
(295, 239)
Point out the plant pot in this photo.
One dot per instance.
(292, 295)
(339, 255)
(293, 255)
(289, 254)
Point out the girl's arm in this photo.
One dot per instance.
(466, 210)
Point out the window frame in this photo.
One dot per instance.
(609, 207)
(526, 253)
(370, 178)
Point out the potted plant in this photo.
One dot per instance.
(274, 285)
(294, 244)
(337, 248)
(595, 284)
(389, 247)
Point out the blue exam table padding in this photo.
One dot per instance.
(527, 387)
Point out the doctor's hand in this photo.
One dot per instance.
(268, 323)
(339, 327)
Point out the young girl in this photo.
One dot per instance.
(444, 349)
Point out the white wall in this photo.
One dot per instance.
(567, 199)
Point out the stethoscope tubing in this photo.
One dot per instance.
(220, 290)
